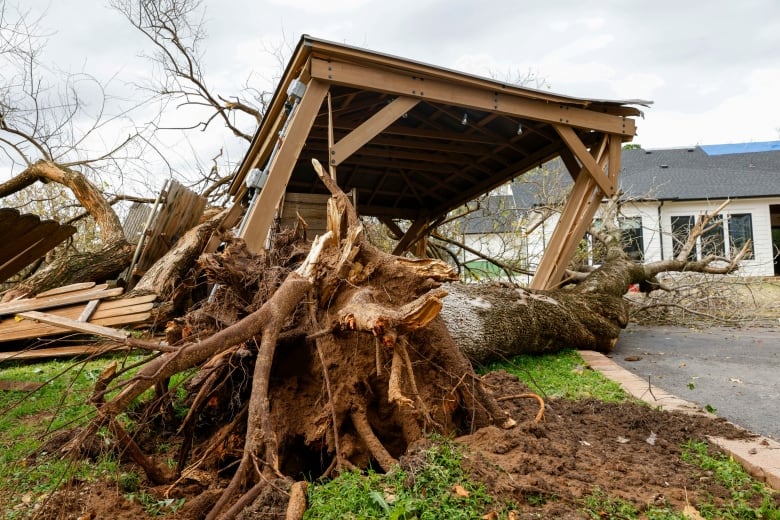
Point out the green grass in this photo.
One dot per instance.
(440, 488)
(28, 420)
(749, 499)
(599, 505)
(563, 375)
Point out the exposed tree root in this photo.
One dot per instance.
(374, 445)
(297, 505)
(539, 415)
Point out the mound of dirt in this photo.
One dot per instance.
(627, 450)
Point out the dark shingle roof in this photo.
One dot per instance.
(667, 174)
(692, 174)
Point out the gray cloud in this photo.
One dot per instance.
(690, 57)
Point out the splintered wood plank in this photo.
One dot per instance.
(26, 238)
(69, 288)
(19, 328)
(20, 255)
(117, 312)
(22, 250)
(88, 310)
(16, 224)
(22, 242)
(124, 302)
(103, 310)
(79, 326)
(58, 300)
(7, 218)
(33, 329)
(70, 351)
(180, 212)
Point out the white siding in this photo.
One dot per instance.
(762, 262)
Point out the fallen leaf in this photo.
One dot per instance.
(490, 516)
(513, 515)
(460, 491)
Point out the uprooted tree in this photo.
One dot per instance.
(312, 358)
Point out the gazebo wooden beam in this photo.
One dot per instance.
(415, 232)
(467, 96)
(581, 206)
(261, 214)
(589, 164)
(372, 127)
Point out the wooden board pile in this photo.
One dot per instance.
(83, 308)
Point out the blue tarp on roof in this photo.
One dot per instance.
(726, 149)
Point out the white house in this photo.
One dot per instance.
(664, 191)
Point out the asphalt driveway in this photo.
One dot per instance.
(734, 371)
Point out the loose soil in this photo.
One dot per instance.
(544, 468)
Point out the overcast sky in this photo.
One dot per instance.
(712, 68)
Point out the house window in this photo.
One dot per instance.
(681, 228)
(713, 240)
(740, 231)
(631, 237)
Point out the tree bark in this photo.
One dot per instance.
(490, 323)
(91, 266)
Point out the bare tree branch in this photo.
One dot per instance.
(176, 33)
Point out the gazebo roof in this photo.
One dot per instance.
(415, 141)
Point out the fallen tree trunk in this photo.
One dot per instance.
(490, 323)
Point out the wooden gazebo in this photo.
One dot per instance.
(413, 141)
